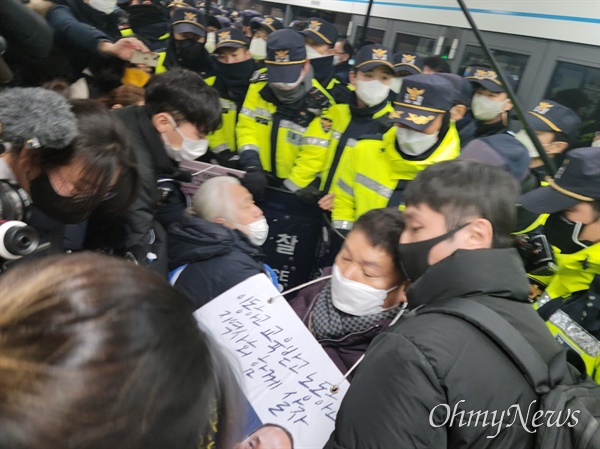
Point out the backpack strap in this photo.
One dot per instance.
(504, 334)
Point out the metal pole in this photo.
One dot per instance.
(550, 169)
(363, 35)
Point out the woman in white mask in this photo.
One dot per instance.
(217, 243)
(364, 293)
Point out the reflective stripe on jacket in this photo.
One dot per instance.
(370, 172)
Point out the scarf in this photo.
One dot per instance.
(327, 322)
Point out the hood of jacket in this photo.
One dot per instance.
(195, 239)
(489, 272)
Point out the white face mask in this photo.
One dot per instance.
(105, 6)
(258, 49)
(190, 149)
(523, 137)
(372, 92)
(396, 85)
(415, 143)
(356, 298)
(311, 53)
(485, 108)
(211, 42)
(258, 231)
(337, 60)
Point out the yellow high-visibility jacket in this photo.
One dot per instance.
(254, 132)
(322, 138)
(371, 171)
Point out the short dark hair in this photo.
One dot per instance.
(437, 64)
(287, 432)
(347, 47)
(382, 228)
(459, 189)
(186, 96)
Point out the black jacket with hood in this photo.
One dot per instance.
(218, 258)
(443, 363)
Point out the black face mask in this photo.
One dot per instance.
(323, 68)
(236, 77)
(141, 16)
(68, 210)
(192, 55)
(414, 256)
(564, 233)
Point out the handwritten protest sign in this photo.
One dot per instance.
(202, 171)
(287, 375)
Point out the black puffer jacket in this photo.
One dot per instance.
(429, 360)
(218, 258)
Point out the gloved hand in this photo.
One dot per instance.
(309, 195)
(256, 182)
(229, 159)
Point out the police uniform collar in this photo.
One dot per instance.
(489, 272)
(368, 112)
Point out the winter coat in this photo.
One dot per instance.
(346, 351)
(420, 376)
(217, 258)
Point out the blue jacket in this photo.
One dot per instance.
(217, 258)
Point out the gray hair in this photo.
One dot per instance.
(213, 200)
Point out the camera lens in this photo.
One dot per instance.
(17, 240)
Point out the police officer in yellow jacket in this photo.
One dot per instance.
(320, 37)
(234, 67)
(275, 115)
(571, 300)
(343, 124)
(375, 173)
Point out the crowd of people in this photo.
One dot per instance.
(429, 190)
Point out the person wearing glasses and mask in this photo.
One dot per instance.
(180, 111)
(361, 294)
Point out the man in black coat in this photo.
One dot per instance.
(435, 381)
(180, 110)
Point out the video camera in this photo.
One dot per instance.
(537, 254)
(17, 238)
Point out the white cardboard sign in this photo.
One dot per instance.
(286, 374)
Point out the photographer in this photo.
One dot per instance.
(65, 159)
